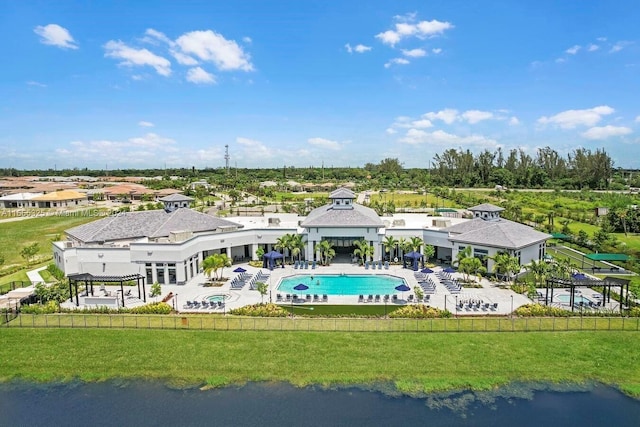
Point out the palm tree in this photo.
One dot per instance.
(363, 249)
(539, 269)
(215, 262)
(415, 243)
(389, 245)
(429, 252)
(462, 255)
(469, 265)
(403, 245)
(506, 264)
(296, 245)
(326, 251)
(283, 243)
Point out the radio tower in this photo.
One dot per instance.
(226, 157)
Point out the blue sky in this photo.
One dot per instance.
(297, 83)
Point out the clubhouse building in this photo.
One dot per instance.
(168, 246)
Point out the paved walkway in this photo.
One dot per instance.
(35, 277)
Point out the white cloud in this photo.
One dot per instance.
(407, 28)
(448, 115)
(151, 35)
(416, 136)
(637, 120)
(254, 149)
(359, 48)
(183, 59)
(593, 47)
(420, 124)
(414, 53)
(213, 47)
(199, 76)
(137, 57)
(475, 116)
(560, 60)
(436, 50)
(324, 143)
(513, 121)
(133, 150)
(617, 47)
(391, 131)
(398, 61)
(572, 118)
(247, 40)
(573, 49)
(37, 84)
(145, 124)
(604, 132)
(55, 35)
(389, 37)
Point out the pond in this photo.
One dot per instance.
(275, 404)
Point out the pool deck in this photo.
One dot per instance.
(442, 298)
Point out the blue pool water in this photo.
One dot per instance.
(379, 284)
(576, 299)
(216, 298)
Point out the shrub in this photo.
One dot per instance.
(55, 271)
(419, 311)
(260, 310)
(153, 308)
(48, 308)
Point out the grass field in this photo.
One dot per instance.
(341, 310)
(414, 363)
(15, 235)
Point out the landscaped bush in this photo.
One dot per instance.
(419, 311)
(153, 308)
(47, 308)
(260, 310)
(539, 310)
(55, 271)
(634, 312)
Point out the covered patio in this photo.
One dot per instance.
(89, 280)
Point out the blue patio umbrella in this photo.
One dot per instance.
(426, 270)
(402, 288)
(449, 270)
(300, 287)
(239, 270)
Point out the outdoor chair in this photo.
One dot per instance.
(427, 298)
(366, 265)
(361, 298)
(495, 305)
(377, 298)
(325, 298)
(308, 297)
(288, 297)
(295, 265)
(386, 265)
(278, 297)
(386, 298)
(395, 298)
(316, 298)
(411, 298)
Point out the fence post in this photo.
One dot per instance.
(71, 321)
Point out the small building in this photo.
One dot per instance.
(601, 211)
(61, 199)
(19, 200)
(176, 201)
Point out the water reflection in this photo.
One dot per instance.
(152, 404)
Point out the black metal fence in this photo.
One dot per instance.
(233, 323)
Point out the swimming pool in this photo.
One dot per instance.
(348, 284)
(216, 298)
(566, 299)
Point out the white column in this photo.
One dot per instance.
(254, 248)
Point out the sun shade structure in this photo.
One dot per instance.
(414, 258)
(607, 257)
(269, 259)
(90, 279)
(574, 283)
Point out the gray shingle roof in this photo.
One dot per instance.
(342, 193)
(158, 223)
(176, 197)
(500, 233)
(486, 207)
(327, 216)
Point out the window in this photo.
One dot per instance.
(149, 271)
(172, 274)
(160, 273)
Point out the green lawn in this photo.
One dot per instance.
(15, 235)
(413, 362)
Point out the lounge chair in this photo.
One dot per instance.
(288, 297)
(306, 265)
(410, 298)
(395, 298)
(377, 298)
(427, 298)
(386, 298)
(316, 298)
(279, 297)
(386, 265)
(325, 298)
(313, 265)
(370, 298)
(366, 265)
(295, 265)
(309, 297)
(361, 298)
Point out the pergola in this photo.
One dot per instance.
(606, 284)
(89, 279)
